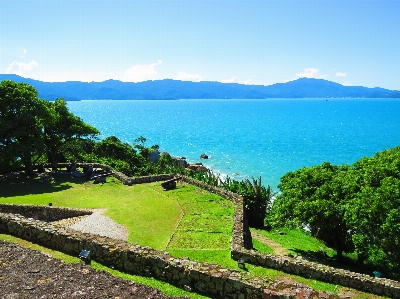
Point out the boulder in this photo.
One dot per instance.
(154, 156)
(203, 156)
(181, 161)
(197, 167)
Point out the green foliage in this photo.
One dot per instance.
(31, 127)
(351, 208)
(62, 127)
(317, 198)
(122, 157)
(22, 115)
(167, 165)
(374, 212)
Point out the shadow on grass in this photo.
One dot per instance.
(321, 258)
(22, 185)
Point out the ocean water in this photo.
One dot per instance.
(252, 138)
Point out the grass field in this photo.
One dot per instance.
(300, 242)
(186, 221)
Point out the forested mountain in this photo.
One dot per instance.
(169, 89)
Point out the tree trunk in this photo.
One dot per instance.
(28, 166)
(339, 248)
(52, 158)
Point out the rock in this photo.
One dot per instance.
(154, 156)
(197, 167)
(202, 169)
(181, 161)
(192, 167)
(203, 156)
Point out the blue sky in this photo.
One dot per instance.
(352, 42)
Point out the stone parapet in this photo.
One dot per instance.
(200, 277)
(241, 250)
(43, 213)
(204, 278)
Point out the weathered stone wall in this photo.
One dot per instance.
(43, 213)
(119, 175)
(147, 179)
(241, 233)
(214, 278)
(190, 275)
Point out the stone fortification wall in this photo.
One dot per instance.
(202, 277)
(119, 175)
(190, 275)
(241, 235)
(148, 179)
(43, 213)
(301, 267)
(240, 249)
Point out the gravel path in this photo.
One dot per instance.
(99, 224)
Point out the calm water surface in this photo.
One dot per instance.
(252, 138)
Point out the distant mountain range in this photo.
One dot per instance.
(169, 89)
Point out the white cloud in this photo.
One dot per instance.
(23, 53)
(231, 80)
(19, 68)
(308, 73)
(311, 73)
(142, 72)
(188, 77)
(338, 74)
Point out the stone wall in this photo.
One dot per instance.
(241, 235)
(43, 213)
(201, 277)
(240, 249)
(119, 175)
(204, 278)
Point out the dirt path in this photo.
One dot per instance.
(278, 249)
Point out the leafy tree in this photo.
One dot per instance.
(79, 150)
(144, 151)
(123, 157)
(22, 115)
(352, 208)
(374, 213)
(61, 128)
(316, 198)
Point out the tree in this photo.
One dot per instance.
(374, 213)
(22, 115)
(122, 157)
(351, 208)
(61, 128)
(257, 198)
(316, 198)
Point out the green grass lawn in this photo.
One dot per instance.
(298, 242)
(150, 218)
(301, 243)
(186, 221)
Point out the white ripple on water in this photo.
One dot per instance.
(98, 224)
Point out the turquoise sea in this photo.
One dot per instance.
(252, 138)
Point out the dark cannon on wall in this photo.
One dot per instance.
(170, 184)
